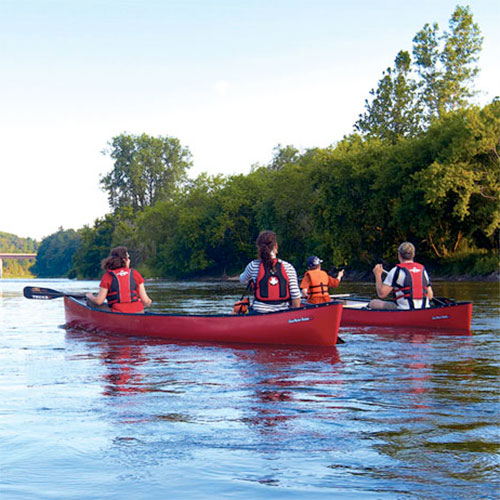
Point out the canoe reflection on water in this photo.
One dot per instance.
(265, 384)
(128, 361)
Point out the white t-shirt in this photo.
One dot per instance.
(401, 302)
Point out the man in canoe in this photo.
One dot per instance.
(408, 281)
(275, 283)
(316, 282)
(122, 286)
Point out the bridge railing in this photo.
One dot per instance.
(19, 256)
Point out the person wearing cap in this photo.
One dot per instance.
(316, 282)
(408, 280)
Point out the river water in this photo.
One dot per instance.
(402, 415)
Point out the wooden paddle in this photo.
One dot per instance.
(35, 292)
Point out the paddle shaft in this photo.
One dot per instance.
(39, 293)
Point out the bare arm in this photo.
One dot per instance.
(144, 296)
(382, 290)
(99, 298)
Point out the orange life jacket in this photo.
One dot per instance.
(317, 292)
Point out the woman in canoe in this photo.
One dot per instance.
(408, 280)
(274, 281)
(122, 286)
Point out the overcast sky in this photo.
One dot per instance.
(231, 79)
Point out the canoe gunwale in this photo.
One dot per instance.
(218, 315)
(432, 308)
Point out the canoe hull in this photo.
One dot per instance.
(309, 326)
(456, 317)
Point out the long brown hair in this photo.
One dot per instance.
(117, 258)
(266, 241)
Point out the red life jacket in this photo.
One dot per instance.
(318, 289)
(123, 286)
(272, 285)
(415, 283)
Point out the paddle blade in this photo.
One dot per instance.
(34, 292)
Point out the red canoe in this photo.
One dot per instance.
(309, 326)
(452, 316)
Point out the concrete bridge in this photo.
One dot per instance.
(3, 256)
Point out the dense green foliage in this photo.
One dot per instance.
(55, 254)
(425, 167)
(95, 245)
(146, 170)
(352, 204)
(10, 243)
(438, 80)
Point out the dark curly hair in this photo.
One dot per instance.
(266, 241)
(117, 258)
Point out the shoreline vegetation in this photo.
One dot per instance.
(349, 276)
(360, 276)
(422, 164)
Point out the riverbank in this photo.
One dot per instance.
(360, 276)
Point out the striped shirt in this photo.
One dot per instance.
(401, 302)
(251, 272)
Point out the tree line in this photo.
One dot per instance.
(10, 243)
(422, 164)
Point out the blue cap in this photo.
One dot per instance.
(313, 261)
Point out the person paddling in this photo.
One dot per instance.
(408, 280)
(316, 282)
(122, 286)
(275, 283)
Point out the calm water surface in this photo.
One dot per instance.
(383, 416)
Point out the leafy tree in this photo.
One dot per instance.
(283, 155)
(95, 245)
(10, 243)
(405, 102)
(285, 207)
(146, 170)
(178, 231)
(54, 257)
(426, 60)
(447, 63)
(351, 211)
(460, 185)
(393, 112)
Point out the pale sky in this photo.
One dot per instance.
(231, 79)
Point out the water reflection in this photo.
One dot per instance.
(122, 374)
(388, 415)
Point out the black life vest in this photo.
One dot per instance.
(415, 285)
(123, 286)
(272, 285)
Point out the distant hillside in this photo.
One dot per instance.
(10, 243)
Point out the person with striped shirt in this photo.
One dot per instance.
(408, 281)
(274, 281)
